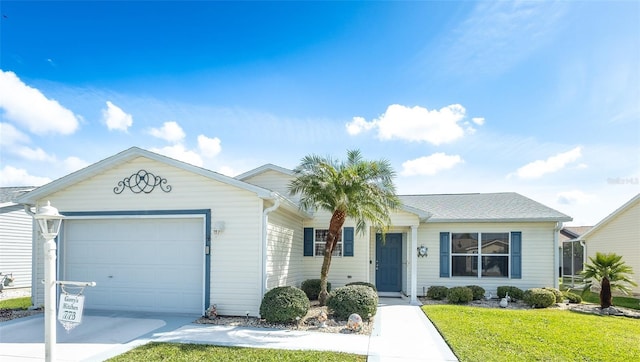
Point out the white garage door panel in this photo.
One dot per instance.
(138, 264)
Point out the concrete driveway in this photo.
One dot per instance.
(101, 335)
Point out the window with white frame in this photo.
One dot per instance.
(480, 254)
(320, 240)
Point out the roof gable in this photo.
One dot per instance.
(634, 202)
(128, 155)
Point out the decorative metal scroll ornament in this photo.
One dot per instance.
(142, 181)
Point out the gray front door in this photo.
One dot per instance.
(389, 263)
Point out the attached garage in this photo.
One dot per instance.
(140, 263)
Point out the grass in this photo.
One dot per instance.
(626, 302)
(199, 352)
(16, 303)
(487, 334)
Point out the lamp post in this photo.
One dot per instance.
(49, 221)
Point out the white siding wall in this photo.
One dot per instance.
(621, 235)
(15, 244)
(343, 270)
(537, 255)
(235, 254)
(274, 181)
(284, 250)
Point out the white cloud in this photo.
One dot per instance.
(430, 165)
(9, 135)
(415, 124)
(498, 35)
(72, 164)
(11, 176)
(359, 125)
(537, 169)
(13, 141)
(478, 120)
(573, 197)
(116, 118)
(179, 152)
(29, 108)
(209, 147)
(170, 132)
(32, 154)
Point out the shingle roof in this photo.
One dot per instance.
(10, 194)
(571, 232)
(508, 206)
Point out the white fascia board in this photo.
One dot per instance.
(422, 215)
(289, 205)
(263, 169)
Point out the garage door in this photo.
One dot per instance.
(139, 264)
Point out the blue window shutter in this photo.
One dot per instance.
(444, 255)
(516, 255)
(308, 242)
(347, 242)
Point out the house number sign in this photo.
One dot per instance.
(71, 307)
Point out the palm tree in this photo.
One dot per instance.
(359, 189)
(611, 273)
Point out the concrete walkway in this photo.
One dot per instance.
(401, 332)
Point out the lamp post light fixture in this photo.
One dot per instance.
(49, 221)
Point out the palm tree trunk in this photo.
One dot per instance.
(606, 298)
(335, 226)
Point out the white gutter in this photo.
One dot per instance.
(34, 237)
(556, 255)
(265, 221)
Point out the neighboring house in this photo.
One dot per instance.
(618, 233)
(157, 234)
(15, 237)
(572, 259)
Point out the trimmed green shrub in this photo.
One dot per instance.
(572, 297)
(437, 292)
(478, 291)
(365, 284)
(311, 287)
(346, 300)
(555, 292)
(539, 297)
(283, 305)
(459, 295)
(514, 292)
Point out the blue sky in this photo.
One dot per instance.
(540, 98)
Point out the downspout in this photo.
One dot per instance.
(34, 238)
(265, 221)
(556, 255)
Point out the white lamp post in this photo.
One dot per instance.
(49, 221)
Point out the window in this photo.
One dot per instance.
(321, 239)
(480, 254)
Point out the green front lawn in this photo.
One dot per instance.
(16, 303)
(200, 352)
(487, 334)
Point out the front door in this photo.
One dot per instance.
(389, 263)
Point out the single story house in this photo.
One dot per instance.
(15, 237)
(157, 234)
(617, 233)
